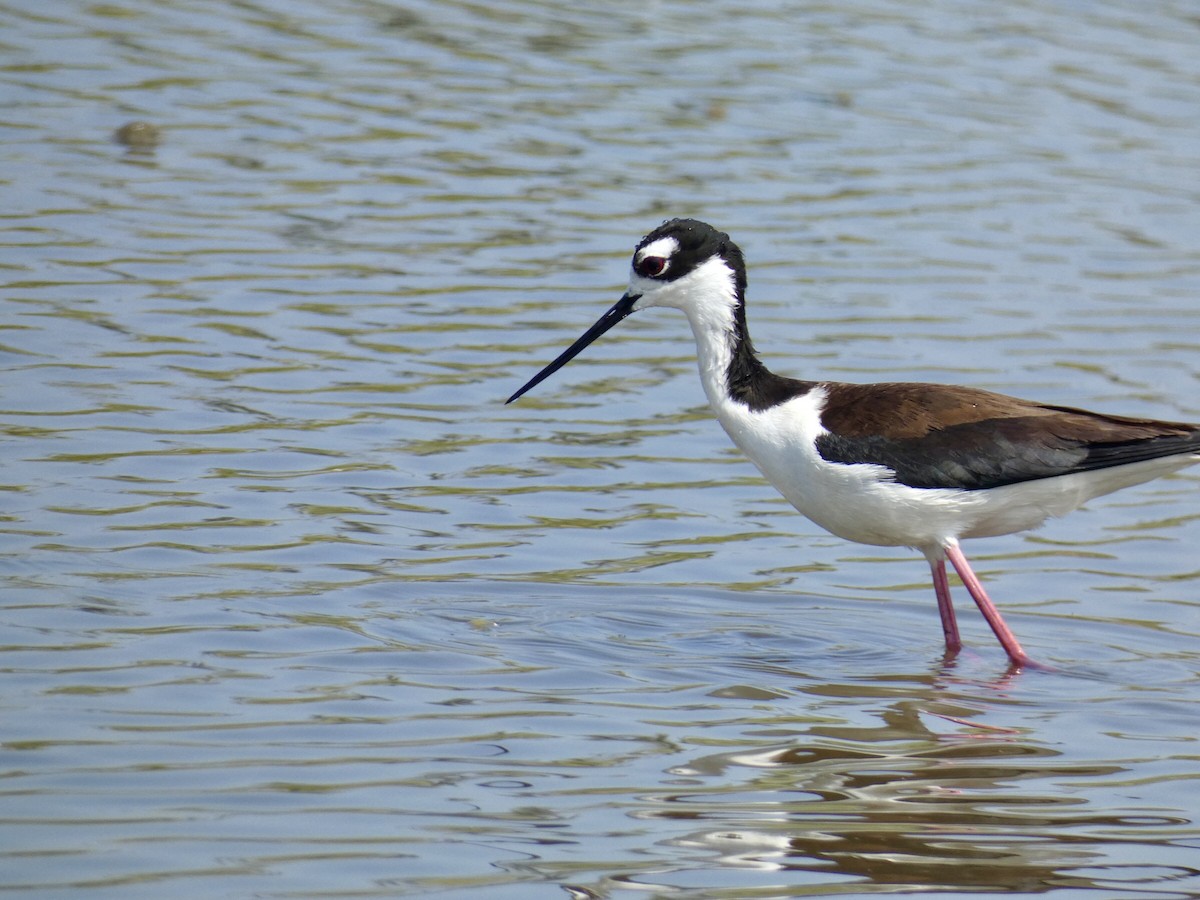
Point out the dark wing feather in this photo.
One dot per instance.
(933, 436)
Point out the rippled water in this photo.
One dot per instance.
(294, 606)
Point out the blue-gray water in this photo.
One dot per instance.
(294, 606)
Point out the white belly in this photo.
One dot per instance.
(862, 503)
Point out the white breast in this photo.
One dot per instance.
(861, 502)
(857, 502)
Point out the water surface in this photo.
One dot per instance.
(294, 606)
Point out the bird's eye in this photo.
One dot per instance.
(651, 266)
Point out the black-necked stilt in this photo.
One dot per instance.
(892, 464)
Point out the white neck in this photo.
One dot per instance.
(708, 296)
(714, 351)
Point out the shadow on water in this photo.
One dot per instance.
(844, 770)
(920, 800)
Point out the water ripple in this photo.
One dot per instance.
(293, 604)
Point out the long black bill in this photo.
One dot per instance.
(619, 311)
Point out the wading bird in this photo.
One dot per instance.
(890, 464)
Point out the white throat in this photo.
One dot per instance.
(708, 297)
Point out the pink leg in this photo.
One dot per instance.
(1007, 639)
(945, 606)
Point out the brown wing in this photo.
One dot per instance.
(943, 436)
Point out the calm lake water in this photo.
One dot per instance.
(294, 606)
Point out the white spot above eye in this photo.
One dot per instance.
(666, 247)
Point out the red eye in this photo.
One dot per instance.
(651, 266)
